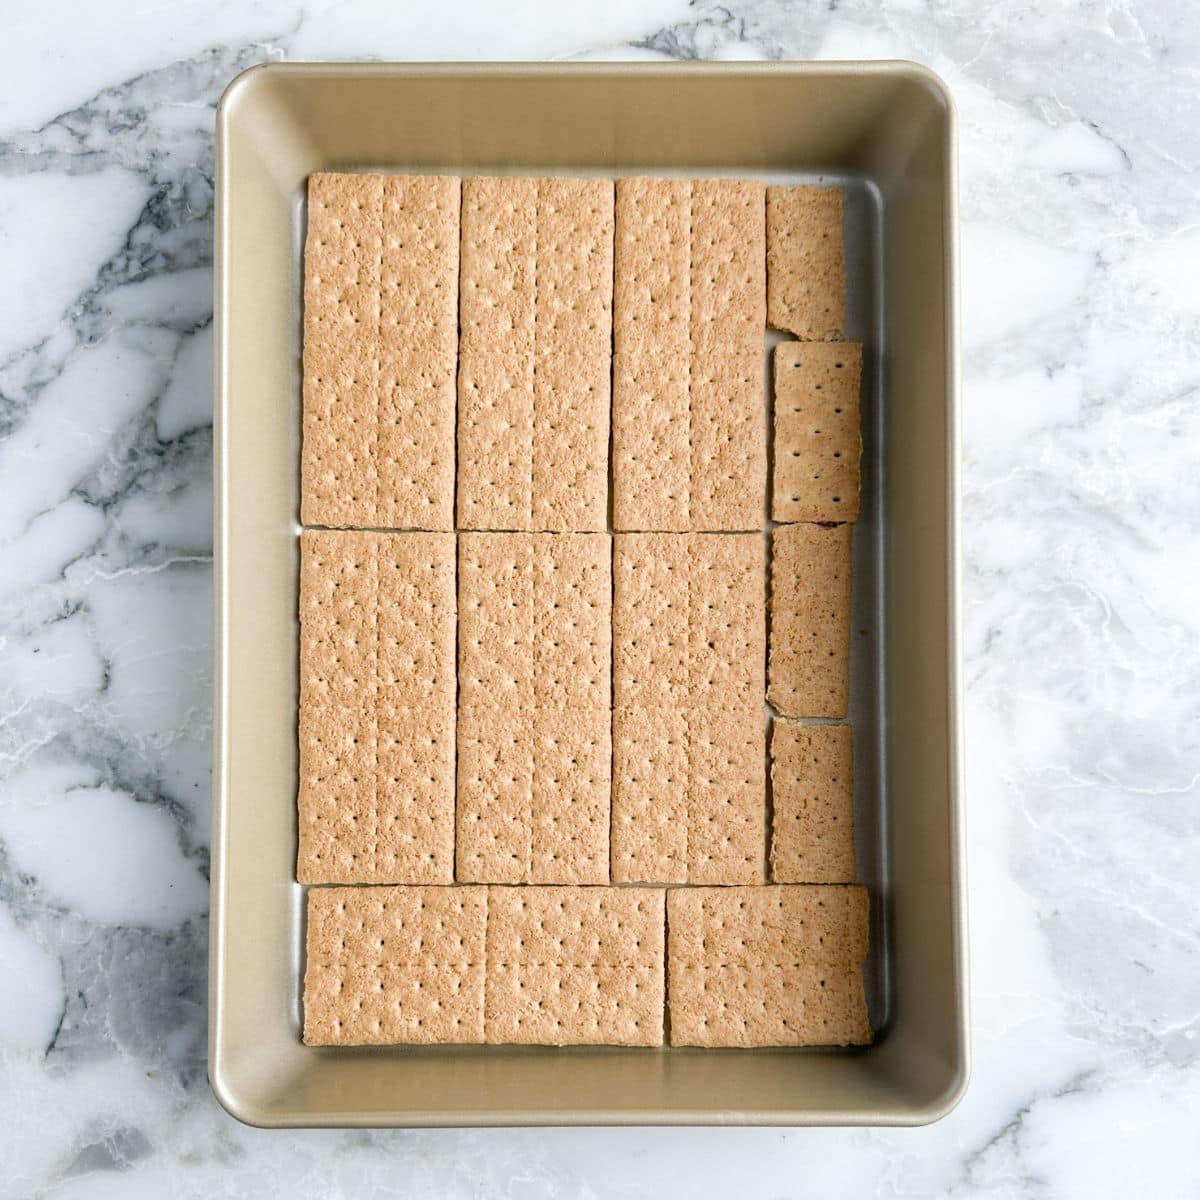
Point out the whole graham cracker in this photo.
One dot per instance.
(809, 665)
(689, 435)
(535, 704)
(575, 966)
(689, 787)
(534, 354)
(812, 784)
(394, 964)
(767, 966)
(377, 691)
(380, 351)
(818, 438)
(806, 264)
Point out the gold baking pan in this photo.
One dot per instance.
(884, 131)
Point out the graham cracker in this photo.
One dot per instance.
(809, 666)
(535, 708)
(395, 964)
(575, 966)
(377, 691)
(806, 262)
(812, 783)
(380, 351)
(534, 354)
(767, 966)
(689, 787)
(818, 438)
(689, 434)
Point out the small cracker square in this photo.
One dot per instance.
(818, 439)
(806, 261)
(767, 966)
(376, 720)
(380, 351)
(575, 966)
(812, 782)
(809, 666)
(388, 965)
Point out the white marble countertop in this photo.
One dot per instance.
(1081, 251)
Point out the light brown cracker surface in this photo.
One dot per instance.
(767, 966)
(377, 689)
(689, 737)
(535, 708)
(575, 965)
(806, 267)
(818, 439)
(380, 351)
(535, 350)
(689, 436)
(394, 964)
(812, 786)
(810, 620)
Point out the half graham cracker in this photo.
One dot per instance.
(535, 708)
(380, 351)
(809, 670)
(818, 437)
(389, 965)
(377, 689)
(689, 786)
(806, 261)
(575, 966)
(767, 966)
(689, 433)
(535, 354)
(812, 785)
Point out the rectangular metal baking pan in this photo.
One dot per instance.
(885, 131)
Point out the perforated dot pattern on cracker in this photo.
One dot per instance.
(535, 708)
(810, 620)
(812, 789)
(377, 691)
(806, 261)
(535, 352)
(689, 435)
(575, 965)
(394, 964)
(818, 436)
(689, 636)
(380, 351)
(767, 966)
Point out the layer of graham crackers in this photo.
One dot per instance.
(377, 707)
(812, 790)
(806, 261)
(531, 965)
(818, 435)
(809, 669)
(535, 708)
(380, 351)
(689, 430)
(767, 966)
(689, 785)
(534, 354)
